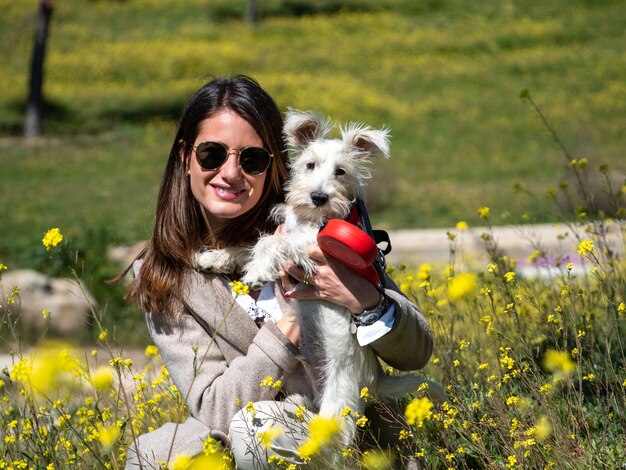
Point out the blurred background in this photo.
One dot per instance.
(444, 75)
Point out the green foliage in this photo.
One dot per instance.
(443, 75)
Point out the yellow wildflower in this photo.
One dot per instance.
(483, 212)
(361, 422)
(543, 428)
(461, 286)
(52, 238)
(151, 350)
(365, 393)
(181, 462)
(266, 437)
(584, 247)
(513, 400)
(109, 435)
(321, 432)
(300, 411)
(376, 460)
(418, 410)
(461, 225)
(559, 362)
(103, 378)
(239, 288)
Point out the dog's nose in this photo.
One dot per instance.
(319, 198)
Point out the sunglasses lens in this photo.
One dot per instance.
(211, 155)
(254, 160)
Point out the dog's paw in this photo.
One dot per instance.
(218, 261)
(255, 280)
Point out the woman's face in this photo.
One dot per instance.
(227, 192)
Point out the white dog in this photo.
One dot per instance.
(326, 178)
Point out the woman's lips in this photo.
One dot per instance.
(225, 192)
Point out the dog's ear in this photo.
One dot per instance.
(366, 141)
(303, 127)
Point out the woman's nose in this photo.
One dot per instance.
(230, 170)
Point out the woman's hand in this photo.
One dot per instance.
(331, 281)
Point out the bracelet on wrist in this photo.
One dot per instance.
(371, 316)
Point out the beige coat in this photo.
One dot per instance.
(217, 356)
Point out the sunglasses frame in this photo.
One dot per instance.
(228, 151)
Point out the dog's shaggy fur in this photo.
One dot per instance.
(326, 178)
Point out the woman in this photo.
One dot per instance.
(226, 169)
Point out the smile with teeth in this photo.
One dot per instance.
(228, 192)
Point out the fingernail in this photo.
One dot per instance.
(287, 295)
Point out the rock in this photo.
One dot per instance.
(69, 308)
(126, 254)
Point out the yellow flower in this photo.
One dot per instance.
(584, 247)
(300, 411)
(559, 362)
(239, 288)
(103, 335)
(512, 461)
(109, 435)
(418, 410)
(361, 422)
(461, 286)
(483, 212)
(509, 277)
(376, 460)
(181, 462)
(151, 350)
(513, 400)
(52, 238)
(542, 429)
(424, 272)
(103, 378)
(266, 437)
(3, 267)
(321, 432)
(267, 381)
(545, 389)
(461, 225)
(211, 446)
(365, 393)
(50, 366)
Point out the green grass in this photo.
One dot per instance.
(443, 75)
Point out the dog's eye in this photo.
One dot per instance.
(340, 172)
(310, 166)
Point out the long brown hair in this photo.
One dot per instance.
(179, 229)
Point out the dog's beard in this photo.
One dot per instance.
(304, 209)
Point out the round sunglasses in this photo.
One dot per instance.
(252, 160)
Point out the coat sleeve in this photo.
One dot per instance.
(213, 385)
(409, 344)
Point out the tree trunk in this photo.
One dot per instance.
(251, 12)
(34, 103)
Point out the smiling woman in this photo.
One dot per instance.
(228, 191)
(222, 343)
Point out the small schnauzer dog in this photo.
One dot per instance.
(327, 175)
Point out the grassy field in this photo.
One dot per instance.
(443, 75)
(534, 367)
